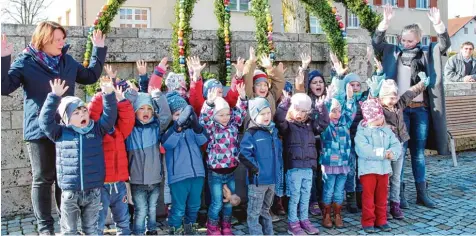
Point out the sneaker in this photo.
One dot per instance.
(369, 230)
(295, 229)
(307, 226)
(384, 228)
(395, 211)
(213, 228)
(274, 218)
(152, 232)
(314, 209)
(389, 216)
(190, 229)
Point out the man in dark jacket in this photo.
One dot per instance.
(462, 66)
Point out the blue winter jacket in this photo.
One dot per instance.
(34, 78)
(371, 145)
(79, 157)
(182, 153)
(261, 153)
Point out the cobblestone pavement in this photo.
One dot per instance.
(453, 188)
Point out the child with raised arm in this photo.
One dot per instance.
(80, 156)
(222, 124)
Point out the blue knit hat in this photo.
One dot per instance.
(67, 105)
(209, 84)
(351, 77)
(175, 101)
(313, 74)
(288, 87)
(142, 99)
(256, 105)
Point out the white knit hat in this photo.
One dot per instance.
(301, 101)
(389, 88)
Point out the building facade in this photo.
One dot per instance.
(461, 29)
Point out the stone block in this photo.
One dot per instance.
(74, 31)
(243, 36)
(320, 52)
(126, 70)
(77, 49)
(156, 33)
(314, 38)
(202, 48)
(114, 45)
(285, 37)
(16, 177)
(122, 57)
(17, 119)
(357, 49)
(291, 51)
(13, 150)
(140, 45)
(19, 232)
(18, 30)
(241, 49)
(19, 43)
(455, 86)
(205, 35)
(6, 120)
(123, 33)
(16, 200)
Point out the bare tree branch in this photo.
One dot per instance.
(26, 11)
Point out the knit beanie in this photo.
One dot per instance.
(301, 101)
(142, 99)
(175, 81)
(209, 84)
(259, 76)
(220, 104)
(67, 106)
(334, 104)
(256, 105)
(312, 75)
(351, 77)
(388, 88)
(288, 87)
(371, 110)
(175, 101)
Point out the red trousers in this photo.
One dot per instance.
(374, 199)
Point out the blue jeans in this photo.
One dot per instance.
(186, 199)
(260, 201)
(334, 188)
(115, 196)
(299, 183)
(417, 122)
(145, 199)
(352, 184)
(80, 204)
(215, 183)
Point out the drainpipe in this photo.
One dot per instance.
(81, 9)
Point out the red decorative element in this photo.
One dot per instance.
(228, 55)
(341, 25)
(181, 51)
(96, 21)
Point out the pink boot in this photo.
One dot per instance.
(213, 228)
(226, 226)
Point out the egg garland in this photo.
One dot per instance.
(180, 34)
(368, 18)
(104, 17)
(269, 21)
(226, 32)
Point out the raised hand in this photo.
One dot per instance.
(305, 60)
(132, 85)
(281, 68)
(370, 54)
(241, 90)
(349, 91)
(7, 48)
(141, 67)
(320, 101)
(239, 66)
(378, 64)
(163, 64)
(331, 91)
(266, 61)
(119, 93)
(286, 95)
(300, 77)
(212, 95)
(388, 13)
(196, 67)
(374, 86)
(253, 55)
(424, 78)
(110, 73)
(434, 15)
(106, 85)
(57, 87)
(98, 38)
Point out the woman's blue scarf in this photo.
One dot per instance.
(51, 62)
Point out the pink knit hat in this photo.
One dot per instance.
(371, 110)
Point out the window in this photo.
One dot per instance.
(423, 4)
(425, 40)
(391, 39)
(134, 17)
(239, 5)
(352, 20)
(314, 25)
(465, 30)
(390, 2)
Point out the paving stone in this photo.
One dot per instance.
(455, 231)
(238, 232)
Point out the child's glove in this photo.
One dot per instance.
(197, 128)
(374, 83)
(424, 78)
(183, 120)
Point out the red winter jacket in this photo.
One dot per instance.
(196, 94)
(115, 155)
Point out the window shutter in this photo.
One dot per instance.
(434, 3)
(434, 39)
(411, 3)
(401, 3)
(377, 2)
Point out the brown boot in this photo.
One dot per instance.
(326, 217)
(338, 216)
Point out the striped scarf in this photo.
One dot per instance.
(409, 54)
(51, 62)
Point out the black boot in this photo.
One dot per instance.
(422, 196)
(351, 202)
(403, 200)
(358, 198)
(190, 229)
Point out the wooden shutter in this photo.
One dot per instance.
(411, 3)
(401, 3)
(434, 3)
(377, 2)
(434, 39)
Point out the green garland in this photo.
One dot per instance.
(182, 34)
(257, 9)
(331, 24)
(103, 20)
(368, 18)
(222, 12)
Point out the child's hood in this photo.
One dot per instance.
(363, 127)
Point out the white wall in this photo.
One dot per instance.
(459, 38)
